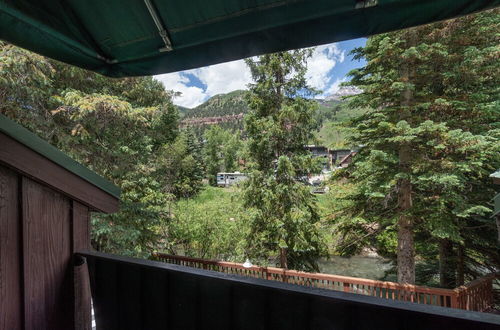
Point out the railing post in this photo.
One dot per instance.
(490, 290)
(347, 287)
(454, 299)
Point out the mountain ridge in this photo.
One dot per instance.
(234, 103)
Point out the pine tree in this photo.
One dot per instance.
(220, 151)
(279, 125)
(113, 126)
(429, 141)
(181, 166)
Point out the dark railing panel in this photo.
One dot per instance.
(141, 294)
(155, 292)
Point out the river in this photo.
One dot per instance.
(356, 266)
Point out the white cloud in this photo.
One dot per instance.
(230, 76)
(216, 79)
(321, 64)
(191, 95)
(224, 77)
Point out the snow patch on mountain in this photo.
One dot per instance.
(343, 92)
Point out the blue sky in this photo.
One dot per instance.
(327, 68)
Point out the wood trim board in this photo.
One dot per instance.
(32, 164)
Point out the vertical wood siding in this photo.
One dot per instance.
(47, 251)
(40, 229)
(10, 252)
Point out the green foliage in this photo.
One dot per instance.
(181, 166)
(221, 152)
(286, 219)
(212, 225)
(333, 130)
(450, 127)
(117, 127)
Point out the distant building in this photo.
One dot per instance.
(321, 152)
(332, 157)
(317, 151)
(344, 162)
(229, 179)
(338, 154)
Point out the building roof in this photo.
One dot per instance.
(135, 38)
(496, 177)
(33, 142)
(346, 157)
(496, 205)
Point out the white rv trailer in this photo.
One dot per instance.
(229, 179)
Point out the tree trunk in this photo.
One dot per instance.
(447, 278)
(406, 246)
(283, 258)
(460, 265)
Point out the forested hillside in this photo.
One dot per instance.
(219, 105)
(227, 111)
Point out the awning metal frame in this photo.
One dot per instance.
(159, 25)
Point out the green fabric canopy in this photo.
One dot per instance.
(134, 37)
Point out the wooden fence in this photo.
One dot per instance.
(475, 296)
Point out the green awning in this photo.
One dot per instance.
(145, 37)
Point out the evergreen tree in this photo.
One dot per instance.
(279, 125)
(429, 142)
(221, 151)
(116, 127)
(181, 168)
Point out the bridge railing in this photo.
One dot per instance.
(475, 296)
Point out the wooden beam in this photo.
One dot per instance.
(22, 159)
(46, 258)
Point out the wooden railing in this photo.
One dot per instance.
(475, 296)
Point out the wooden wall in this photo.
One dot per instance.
(40, 229)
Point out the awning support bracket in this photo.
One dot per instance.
(159, 25)
(366, 3)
